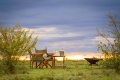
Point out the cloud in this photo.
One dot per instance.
(49, 32)
(35, 13)
(103, 40)
(68, 24)
(54, 37)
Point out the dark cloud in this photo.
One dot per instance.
(76, 18)
(45, 12)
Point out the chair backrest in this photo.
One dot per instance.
(44, 51)
(39, 58)
(34, 50)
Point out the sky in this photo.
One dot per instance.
(67, 24)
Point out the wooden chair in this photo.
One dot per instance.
(39, 57)
(47, 57)
(36, 57)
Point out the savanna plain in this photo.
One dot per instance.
(73, 70)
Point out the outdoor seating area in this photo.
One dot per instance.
(42, 58)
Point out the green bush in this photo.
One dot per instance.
(110, 43)
(14, 42)
(112, 63)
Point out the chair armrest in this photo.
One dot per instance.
(38, 54)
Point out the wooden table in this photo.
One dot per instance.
(53, 62)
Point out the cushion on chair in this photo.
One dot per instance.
(46, 57)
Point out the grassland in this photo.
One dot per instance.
(74, 70)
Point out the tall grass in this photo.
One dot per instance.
(73, 70)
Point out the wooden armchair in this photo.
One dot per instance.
(36, 57)
(47, 57)
(41, 57)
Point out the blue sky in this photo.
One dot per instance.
(68, 24)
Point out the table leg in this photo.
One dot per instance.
(63, 61)
(53, 62)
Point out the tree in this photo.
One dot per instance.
(111, 46)
(14, 42)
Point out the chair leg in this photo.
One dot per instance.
(47, 63)
(32, 64)
(42, 65)
(36, 64)
(39, 64)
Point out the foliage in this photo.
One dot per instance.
(110, 46)
(14, 42)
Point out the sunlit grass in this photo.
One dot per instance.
(74, 70)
